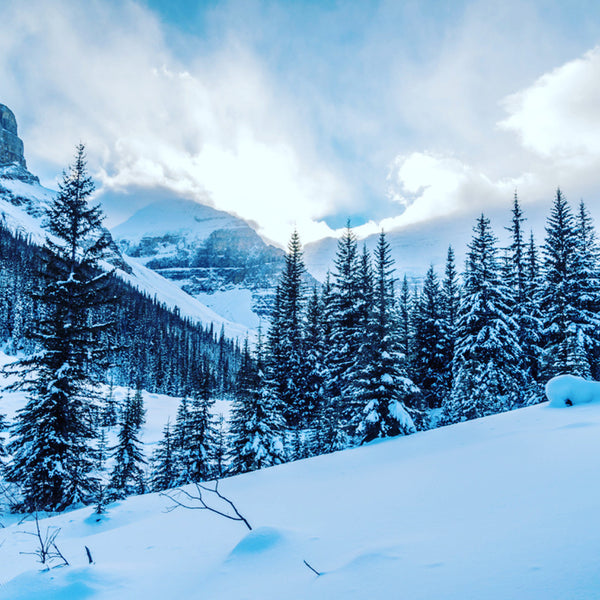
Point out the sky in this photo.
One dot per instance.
(305, 114)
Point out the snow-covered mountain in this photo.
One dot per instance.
(504, 507)
(23, 202)
(212, 255)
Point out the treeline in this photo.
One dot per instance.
(365, 358)
(149, 346)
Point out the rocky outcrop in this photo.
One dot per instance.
(11, 146)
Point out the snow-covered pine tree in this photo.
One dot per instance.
(164, 473)
(567, 325)
(52, 445)
(138, 412)
(405, 318)
(220, 450)
(521, 276)
(587, 278)
(429, 344)
(286, 360)
(195, 457)
(487, 357)
(127, 476)
(346, 331)
(382, 386)
(257, 426)
(450, 302)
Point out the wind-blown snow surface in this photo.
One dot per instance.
(499, 508)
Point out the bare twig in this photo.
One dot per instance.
(312, 568)
(47, 550)
(198, 502)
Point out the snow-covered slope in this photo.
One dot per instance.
(501, 508)
(22, 207)
(212, 255)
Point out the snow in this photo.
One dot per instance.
(234, 305)
(569, 390)
(175, 216)
(474, 510)
(173, 296)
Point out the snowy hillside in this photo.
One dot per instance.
(22, 204)
(215, 257)
(497, 508)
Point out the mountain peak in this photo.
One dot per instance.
(11, 146)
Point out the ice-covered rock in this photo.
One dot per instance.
(569, 390)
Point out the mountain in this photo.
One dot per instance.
(212, 255)
(496, 508)
(23, 203)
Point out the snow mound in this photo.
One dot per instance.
(569, 390)
(258, 541)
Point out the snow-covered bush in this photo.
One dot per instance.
(569, 390)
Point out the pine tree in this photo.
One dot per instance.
(195, 457)
(429, 343)
(164, 474)
(587, 281)
(346, 331)
(220, 450)
(520, 276)
(286, 353)
(487, 358)
(52, 447)
(127, 476)
(383, 386)
(567, 325)
(450, 302)
(257, 426)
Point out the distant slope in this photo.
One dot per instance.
(212, 255)
(500, 508)
(22, 207)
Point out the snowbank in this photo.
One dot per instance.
(569, 390)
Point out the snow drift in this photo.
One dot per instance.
(569, 390)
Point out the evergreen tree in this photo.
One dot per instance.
(220, 450)
(429, 343)
(405, 319)
(286, 352)
(346, 331)
(487, 358)
(521, 276)
(257, 426)
(52, 447)
(567, 323)
(383, 385)
(450, 302)
(127, 476)
(164, 473)
(195, 456)
(587, 281)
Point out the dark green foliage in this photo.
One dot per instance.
(127, 476)
(52, 449)
(487, 357)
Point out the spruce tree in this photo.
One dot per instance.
(521, 276)
(450, 302)
(429, 343)
(382, 385)
(346, 331)
(127, 476)
(286, 352)
(52, 447)
(164, 474)
(567, 323)
(487, 357)
(257, 426)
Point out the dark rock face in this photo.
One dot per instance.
(11, 147)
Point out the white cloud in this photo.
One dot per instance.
(558, 117)
(216, 129)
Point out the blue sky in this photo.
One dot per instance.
(307, 113)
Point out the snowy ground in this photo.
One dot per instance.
(499, 508)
